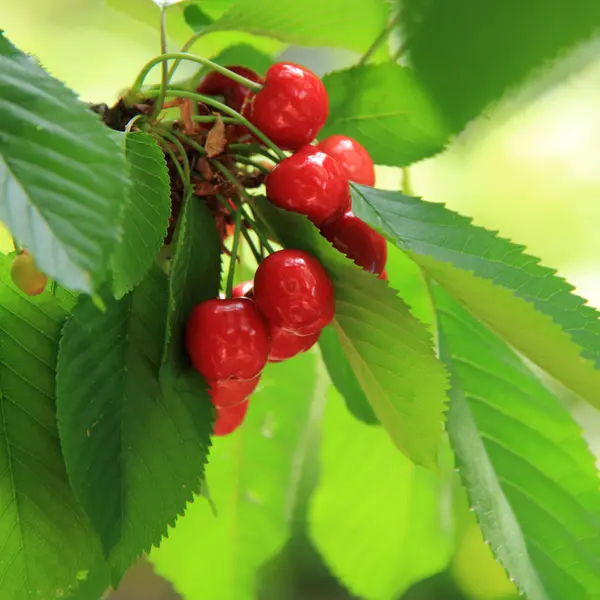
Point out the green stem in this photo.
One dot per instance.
(188, 140)
(252, 149)
(227, 110)
(366, 57)
(234, 250)
(245, 231)
(231, 177)
(164, 67)
(184, 49)
(179, 56)
(187, 171)
(202, 119)
(248, 161)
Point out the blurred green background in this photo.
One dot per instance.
(529, 167)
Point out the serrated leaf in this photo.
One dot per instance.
(508, 290)
(146, 214)
(387, 110)
(452, 45)
(252, 477)
(62, 179)
(391, 509)
(45, 538)
(389, 350)
(94, 586)
(133, 454)
(530, 476)
(352, 24)
(343, 377)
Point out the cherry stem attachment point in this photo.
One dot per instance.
(251, 223)
(177, 93)
(234, 249)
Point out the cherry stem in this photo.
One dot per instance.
(232, 178)
(248, 161)
(252, 149)
(179, 56)
(245, 231)
(203, 119)
(366, 57)
(187, 172)
(234, 249)
(164, 67)
(223, 108)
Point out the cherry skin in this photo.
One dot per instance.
(230, 418)
(383, 275)
(234, 93)
(26, 276)
(227, 338)
(291, 107)
(310, 183)
(294, 292)
(286, 344)
(358, 241)
(245, 289)
(230, 392)
(353, 157)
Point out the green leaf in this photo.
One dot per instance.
(252, 476)
(388, 349)
(133, 455)
(469, 53)
(94, 586)
(62, 178)
(146, 215)
(508, 290)
(343, 377)
(195, 277)
(377, 521)
(387, 110)
(196, 18)
(45, 538)
(530, 476)
(352, 24)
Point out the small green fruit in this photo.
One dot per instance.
(26, 276)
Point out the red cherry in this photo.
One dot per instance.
(230, 392)
(234, 93)
(243, 290)
(294, 292)
(310, 183)
(358, 242)
(230, 418)
(353, 157)
(286, 344)
(291, 107)
(383, 275)
(227, 338)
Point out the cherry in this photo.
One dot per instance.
(230, 392)
(230, 418)
(227, 338)
(245, 289)
(234, 93)
(26, 276)
(353, 157)
(286, 344)
(291, 107)
(383, 275)
(310, 183)
(294, 292)
(358, 242)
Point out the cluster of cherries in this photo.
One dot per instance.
(282, 313)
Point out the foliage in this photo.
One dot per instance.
(106, 429)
